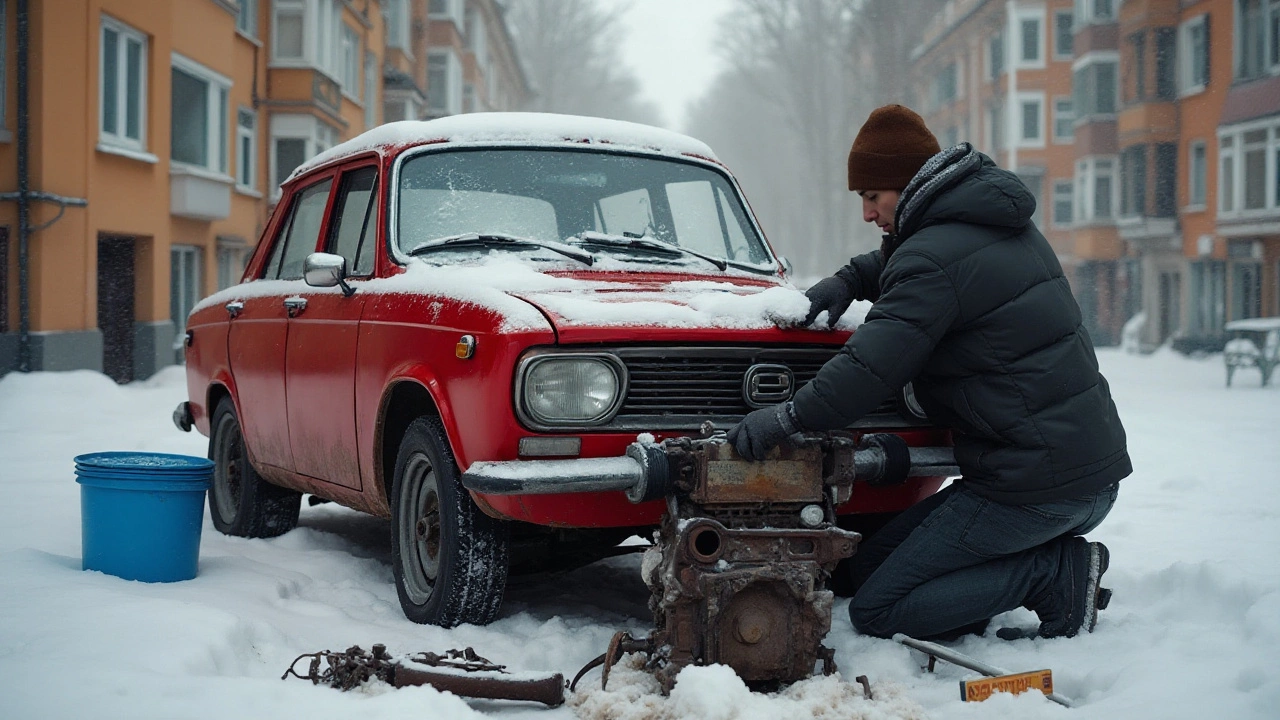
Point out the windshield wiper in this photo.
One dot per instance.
(497, 240)
(640, 242)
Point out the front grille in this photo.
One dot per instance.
(680, 387)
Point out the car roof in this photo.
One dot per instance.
(514, 129)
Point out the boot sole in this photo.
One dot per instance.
(1096, 597)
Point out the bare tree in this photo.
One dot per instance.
(803, 75)
(569, 49)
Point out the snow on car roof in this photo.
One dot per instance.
(517, 128)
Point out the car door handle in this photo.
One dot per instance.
(295, 306)
(234, 308)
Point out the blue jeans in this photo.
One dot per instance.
(955, 560)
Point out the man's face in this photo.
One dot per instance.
(878, 207)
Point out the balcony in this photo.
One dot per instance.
(199, 194)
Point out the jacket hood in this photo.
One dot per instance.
(963, 185)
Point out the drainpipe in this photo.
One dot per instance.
(24, 203)
(25, 195)
(1014, 115)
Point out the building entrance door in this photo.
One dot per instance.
(115, 305)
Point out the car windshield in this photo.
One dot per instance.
(578, 198)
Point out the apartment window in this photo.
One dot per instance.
(447, 10)
(370, 90)
(1208, 296)
(1031, 39)
(444, 83)
(1257, 48)
(1064, 116)
(1095, 189)
(122, 86)
(246, 149)
(1063, 203)
(1031, 119)
(350, 79)
(398, 22)
(944, 87)
(1135, 86)
(1133, 181)
(995, 127)
(1254, 164)
(1094, 84)
(1095, 11)
(290, 25)
(478, 39)
(1226, 174)
(1246, 290)
(200, 115)
(1193, 55)
(1197, 169)
(232, 257)
(1166, 63)
(1273, 35)
(995, 56)
(294, 140)
(1165, 183)
(247, 18)
(307, 33)
(1063, 35)
(184, 288)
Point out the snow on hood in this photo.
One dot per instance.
(517, 128)
(514, 291)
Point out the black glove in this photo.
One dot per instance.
(833, 294)
(762, 429)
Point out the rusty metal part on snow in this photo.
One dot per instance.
(738, 569)
(461, 672)
(938, 652)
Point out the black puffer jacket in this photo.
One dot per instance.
(973, 306)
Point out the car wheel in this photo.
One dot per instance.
(240, 501)
(449, 558)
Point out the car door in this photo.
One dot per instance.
(321, 362)
(258, 339)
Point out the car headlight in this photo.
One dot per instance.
(571, 389)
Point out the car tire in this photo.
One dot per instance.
(241, 503)
(449, 558)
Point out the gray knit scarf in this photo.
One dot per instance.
(939, 173)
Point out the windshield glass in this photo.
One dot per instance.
(557, 195)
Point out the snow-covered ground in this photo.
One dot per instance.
(1193, 631)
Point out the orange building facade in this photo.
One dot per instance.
(157, 134)
(1159, 172)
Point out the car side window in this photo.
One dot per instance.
(353, 231)
(299, 237)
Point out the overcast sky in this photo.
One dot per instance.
(670, 44)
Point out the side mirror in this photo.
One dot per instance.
(787, 267)
(327, 270)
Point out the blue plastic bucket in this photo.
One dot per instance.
(140, 513)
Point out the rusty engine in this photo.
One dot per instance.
(738, 569)
(739, 565)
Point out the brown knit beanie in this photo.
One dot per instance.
(890, 149)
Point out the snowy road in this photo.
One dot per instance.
(1193, 631)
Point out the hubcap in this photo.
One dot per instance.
(419, 528)
(228, 467)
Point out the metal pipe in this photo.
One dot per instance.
(24, 187)
(636, 469)
(964, 661)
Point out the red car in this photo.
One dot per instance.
(527, 291)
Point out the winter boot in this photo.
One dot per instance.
(1082, 591)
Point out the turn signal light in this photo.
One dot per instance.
(466, 347)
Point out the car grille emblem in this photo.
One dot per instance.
(767, 385)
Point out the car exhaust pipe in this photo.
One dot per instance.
(645, 471)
